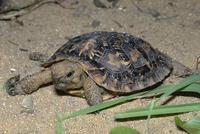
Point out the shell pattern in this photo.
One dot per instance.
(116, 61)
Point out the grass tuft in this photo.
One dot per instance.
(189, 84)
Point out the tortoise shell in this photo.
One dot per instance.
(118, 62)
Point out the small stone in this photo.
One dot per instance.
(154, 13)
(105, 3)
(75, 2)
(4, 5)
(99, 4)
(80, 10)
(95, 23)
(197, 23)
(13, 70)
(27, 102)
(123, 9)
(171, 4)
(4, 104)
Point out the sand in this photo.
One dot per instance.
(171, 26)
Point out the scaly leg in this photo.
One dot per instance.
(180, 70)
(37, 56)
(29, 84)
(92, 92)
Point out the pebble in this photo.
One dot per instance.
(99, 4)
(197, 23)
(13, 70)
(80, 10)
(95, 23)
(27, 104)
(105, 3)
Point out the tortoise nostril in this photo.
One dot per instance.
(70, 74)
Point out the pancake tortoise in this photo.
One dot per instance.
(96, 63)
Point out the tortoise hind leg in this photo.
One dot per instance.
(92, 92)
(180, 70)
(37, 56)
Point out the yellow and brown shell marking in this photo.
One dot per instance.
(118, 62)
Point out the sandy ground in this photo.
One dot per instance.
(172, 26)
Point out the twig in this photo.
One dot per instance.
(155, 14)
(14, 43)
(197, 63)
(12, 9)
(118, 24)
(165, 18)
(20, 11)
(138, 8)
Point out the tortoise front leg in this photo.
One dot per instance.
(29, 84)
(92, 92)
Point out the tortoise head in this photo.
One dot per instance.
(67, 75)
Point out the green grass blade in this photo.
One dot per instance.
(103, 105)
(192, 126)
(151, 106)
(194, 87)
(123, 130)
(183, 83)
(159, 110)
(59, 126)
(114, 102)
(117, 101)
(1, 88)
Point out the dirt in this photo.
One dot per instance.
(172, 26)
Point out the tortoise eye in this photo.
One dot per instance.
(67, 77)
(70, 73)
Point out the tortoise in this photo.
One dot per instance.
(94, 63)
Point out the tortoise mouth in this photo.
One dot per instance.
(60, 86)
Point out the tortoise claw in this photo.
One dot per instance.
(10, 85)
(11, 91)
